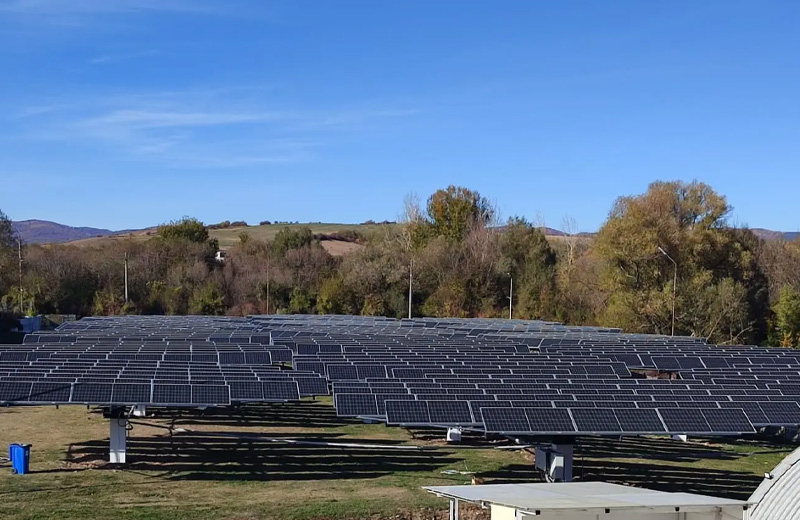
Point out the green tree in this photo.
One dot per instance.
(787, 316)
(528, 257)
(288, 239)
(334, 297)
(300, 302)
(7, 246)
(452, 212)
(722, 293)
(207, 299)
(8, 238)
(187, 228)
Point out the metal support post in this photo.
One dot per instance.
(118, 440)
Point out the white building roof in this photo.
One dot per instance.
(583, 496)
(779, 495)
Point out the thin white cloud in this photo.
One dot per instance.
(144, 119)
(107, 59)
(98, 7)
(196, 128)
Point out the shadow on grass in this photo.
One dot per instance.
(651, 448)
(298, 414)
(652, 466)
(736, 485)
(202, 456)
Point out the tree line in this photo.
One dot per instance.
(667, 258)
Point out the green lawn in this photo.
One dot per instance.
(202, 474)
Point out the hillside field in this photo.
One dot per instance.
(230, 236)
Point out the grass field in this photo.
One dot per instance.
(204, 475)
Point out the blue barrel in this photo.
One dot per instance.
(20, 455)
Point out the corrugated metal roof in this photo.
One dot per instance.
(580, 495)
(778, 497)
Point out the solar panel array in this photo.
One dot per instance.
(508, 377)
(537, 378)
(155, 361)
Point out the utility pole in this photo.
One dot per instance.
(126, 277)
(510, 296)
(674, 285)
(21, 292)
(267, 284)
(410, 278)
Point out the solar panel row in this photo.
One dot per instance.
(499, 376)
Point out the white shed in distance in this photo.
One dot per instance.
(589, 501)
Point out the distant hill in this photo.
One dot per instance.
(768, 234)
(46, 232)
(550, 232)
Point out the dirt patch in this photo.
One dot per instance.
(340, 247)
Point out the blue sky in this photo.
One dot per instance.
(128, 113)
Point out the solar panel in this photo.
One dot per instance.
(310, 366)
(356, 405)
(210, 395)
(450, 412)
(91, 393)
(172, 394)
(312, 386)
(505, 420)
(50, 392)
(550, 420)
(714, 362)
(684, 420)
(342, 372)
(130, 394)
(382, 398)
(727, 420)
(246, 391)
(258, 358)
(15, 391)
(231, 358)
(370, 371)
(407, 412)
(778, 413)
(636, 420)
(595, 420)
(281, 391)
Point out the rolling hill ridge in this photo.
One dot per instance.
(47, 232)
